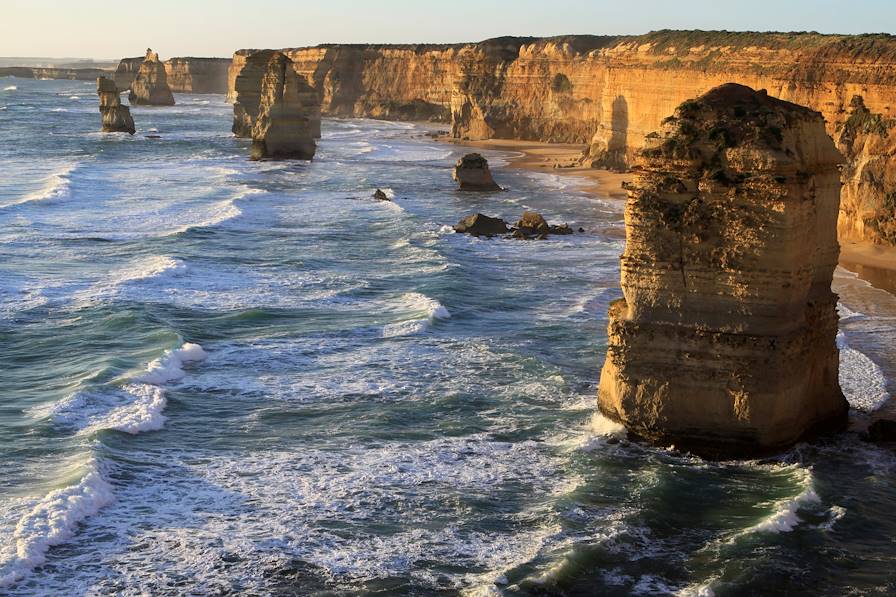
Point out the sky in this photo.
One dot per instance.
(117, 28)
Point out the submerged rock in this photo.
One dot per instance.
(725, 340)
(482, 225)
(150, 86)
(116, 118)
(380, 195)
(276, 108)
(472, 174)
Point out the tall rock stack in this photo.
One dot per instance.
(150, 87)
(276, 108)
(725, 341)
(116, 118)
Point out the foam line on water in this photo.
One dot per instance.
(53, 520)
(135, 407)
(784, 517)
(427, 309)
(56, 186)
(863, 382)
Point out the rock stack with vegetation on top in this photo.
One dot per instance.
(725, 340)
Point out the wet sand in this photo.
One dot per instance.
(873, 263)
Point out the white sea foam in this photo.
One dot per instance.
(169, 367)
(847, 314)
(784, 517)
(863, 382)
(418, 304)
(52, 521)
(135, 407)
(56, 186)
(59, 110)
(137, 270)
(10, 88)
(74, 97)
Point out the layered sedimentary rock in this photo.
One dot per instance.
(868, 199)
(185, 75)
(116, 118)
(276, 108)
(725, 340)
(150, 86)
(472, 174)
(606, 91)
(39, 72)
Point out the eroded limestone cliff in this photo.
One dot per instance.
(116, 118)
(725, 340)
(185, 75)
(276, 108)
(150, 87)
(608, 92)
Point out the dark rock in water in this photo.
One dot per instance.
(882, 430)
(560, 229)
(381, 196)
(116, 118)
(542, 236)
(472, 174)
(581, 229)
(520, 235)
(532, 223)
(153, 136)
(479, 224)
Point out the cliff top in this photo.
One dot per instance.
(730, 116)
(668, 42)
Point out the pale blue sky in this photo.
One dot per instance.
(114, 28)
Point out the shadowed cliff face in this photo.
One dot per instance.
(185, 75)
(725, 340)
(608, 92)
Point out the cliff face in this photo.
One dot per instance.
(276, 108)
(34, 72)
(150, 87)
(725, 340)
(608, 92)
(184, 75)
(868, 200)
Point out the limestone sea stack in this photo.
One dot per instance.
(472, 174)
(150, 86)
(116, 118)
(276, 108)
(725, 341)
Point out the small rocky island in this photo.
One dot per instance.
(276, 108)
(150, 86)
(472, 174)
(725, 341)
(116, 118)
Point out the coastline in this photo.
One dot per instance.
(554, 158)
(873, 263)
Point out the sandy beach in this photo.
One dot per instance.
(873, 263)
(557, 158)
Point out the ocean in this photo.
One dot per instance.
(231, 377)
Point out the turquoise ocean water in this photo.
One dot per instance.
(220, 376)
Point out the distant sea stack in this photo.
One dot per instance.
(116, 118)
(276, 108)
(611, 91)
(150, 87)
(472, 174)
(725, 341)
